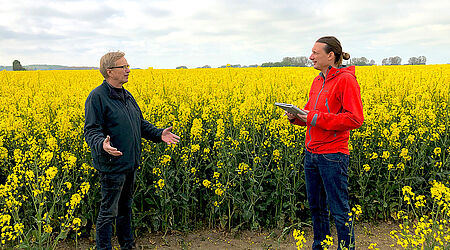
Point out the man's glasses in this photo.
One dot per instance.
(125, 67)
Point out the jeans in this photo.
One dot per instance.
(327, 186)
(117, 196)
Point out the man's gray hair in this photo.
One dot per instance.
(109, 60)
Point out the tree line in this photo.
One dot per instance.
(303, 61)
(17, 66)
(300, 61)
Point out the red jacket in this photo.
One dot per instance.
(335, 108)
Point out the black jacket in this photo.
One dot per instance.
(107, 113)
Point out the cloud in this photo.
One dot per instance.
(169, 33)
(10, 35)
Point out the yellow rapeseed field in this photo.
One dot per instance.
(239, 164)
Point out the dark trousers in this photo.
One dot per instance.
(117, 196)
(327, 186)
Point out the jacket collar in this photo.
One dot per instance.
(113, 94)
(333, 72)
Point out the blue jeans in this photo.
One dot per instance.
(327, 186)
(117, 196)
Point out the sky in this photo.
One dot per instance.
(194, 33)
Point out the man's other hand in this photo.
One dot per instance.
(168, 137)
(109, 149)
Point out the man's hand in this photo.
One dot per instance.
(109, 149)
(168, 137)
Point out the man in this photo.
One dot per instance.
(113, 129)
(333, 109)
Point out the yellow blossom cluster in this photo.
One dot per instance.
(243, 168)
(431, 230)
(327, 242)
(299, 237)
(235, 143)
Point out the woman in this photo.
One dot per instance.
(333, 109)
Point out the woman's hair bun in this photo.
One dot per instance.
(345, 55)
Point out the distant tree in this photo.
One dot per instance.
(231, 66)
(206, 67)
(300, 61)
(267, 64)
(413, 60)
(278, 64)
(181, 67)
(17, 66)
(288, 61)
(396, 60)
(303, 61)
(422, 60)
(359, 61)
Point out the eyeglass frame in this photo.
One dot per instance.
(124, 67)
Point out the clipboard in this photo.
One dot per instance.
(290, 108)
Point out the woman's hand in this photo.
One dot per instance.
(298, 116)
(290, 116)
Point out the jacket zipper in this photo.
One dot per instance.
(315, 104)
(129, 119)
(326, 104)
